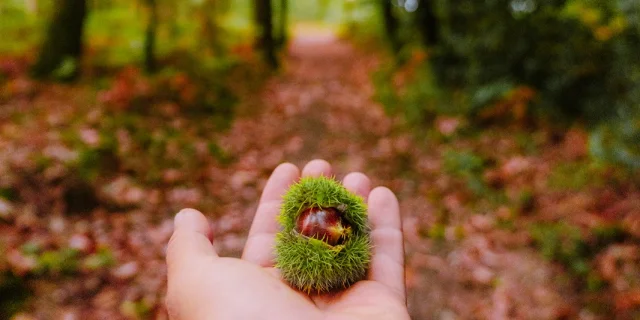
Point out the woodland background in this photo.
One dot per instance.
(509, 129)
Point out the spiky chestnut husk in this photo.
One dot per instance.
(308, 261)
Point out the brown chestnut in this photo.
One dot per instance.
(324, 224)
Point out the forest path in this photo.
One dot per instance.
(468, 255)
(321, 106)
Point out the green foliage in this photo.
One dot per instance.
(16, 28)
(618, 142)
(134, 116)
(575, 249)
(574, 176)
(64, 261)
(578, 57)
(323, 10)
(362, 21)
(419, 102)
(136, 309)
(606, 234)
(8, 193)
(581, 55)
(466, 165)
(13, 294)
(208, 77)
(563, 243)
(312, 265)
(102, 258)
(67, 68)
(437, 231)
(116, 35)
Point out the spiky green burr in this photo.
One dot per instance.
(313, 265)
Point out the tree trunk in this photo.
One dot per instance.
(62, 47)
(281, 34)
(390, 25)
(209, 25)
(150, 63)
(428, 23)
(264, 27)
(347, 8)
(171, 14)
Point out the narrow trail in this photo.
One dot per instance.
(460, 263)
(321, 106)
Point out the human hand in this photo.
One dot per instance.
(202, 285)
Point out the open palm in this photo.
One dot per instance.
(203, 285)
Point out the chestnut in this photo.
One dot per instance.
(325, 241)
(326, 224)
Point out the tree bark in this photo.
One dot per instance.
(264, 27)
(150, 62)
(209, 25)
(428, 23)
(390, 25)
(281, 35)
(63, 40)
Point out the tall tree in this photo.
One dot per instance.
(428, 22)
(390, 24)
(281, 35)
(263, 12)
(150, 62)
(62, 48)
(209, 25)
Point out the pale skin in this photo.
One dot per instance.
(203, 285)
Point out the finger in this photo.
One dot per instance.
(260, 241)
(280, 180)
(357, 183)
(189, 242)
(317, 168)
(387, 262)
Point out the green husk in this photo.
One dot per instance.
(312, 265)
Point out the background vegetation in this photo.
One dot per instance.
(510, 130)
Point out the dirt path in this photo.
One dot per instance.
(321, 107)
(461, 262)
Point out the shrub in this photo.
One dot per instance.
(581, 55)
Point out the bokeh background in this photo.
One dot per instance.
(509, 129)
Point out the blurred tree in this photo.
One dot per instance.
(391, 25)
(281, 33)
(263, 12)
(209, 25)
(61, 51)
(427, 22)
(171, 14)
(150, 62)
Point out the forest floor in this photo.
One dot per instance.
(500, 223)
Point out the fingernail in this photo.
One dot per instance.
(179, 218)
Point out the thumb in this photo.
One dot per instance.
(190, 240)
